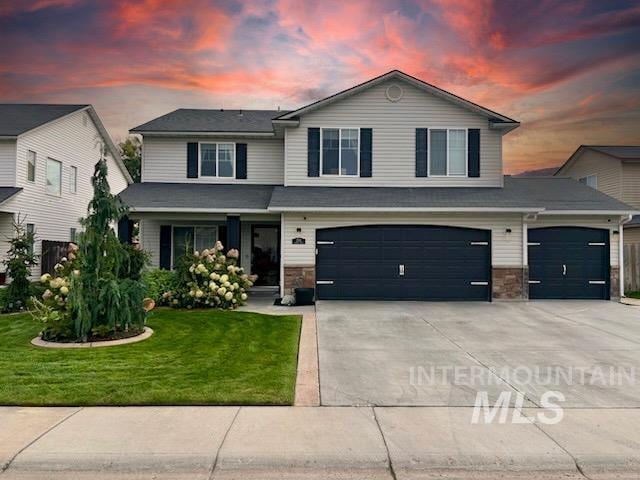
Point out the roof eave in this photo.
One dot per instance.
(159, 133)
(115, 153)
(408, 78)
(411, 209)
(590, 212)
(195, 210)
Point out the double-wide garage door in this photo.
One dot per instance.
(569, 263)
(400, 262)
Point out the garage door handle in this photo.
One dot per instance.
(564, 269)
(401, 270)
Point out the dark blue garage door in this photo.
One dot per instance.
(401, 262)
(568, 263)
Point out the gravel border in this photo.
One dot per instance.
(38, 342)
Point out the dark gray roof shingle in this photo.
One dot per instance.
(7, 192)
(625, 152)
(194, 120)
(18, 118)
(196, 196)
(551, 193)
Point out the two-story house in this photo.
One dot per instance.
(47, 158)
(614, 170)
(392, 189)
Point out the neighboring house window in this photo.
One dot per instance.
(31, 166)
(188, 239)
(73, 180)
(73, 234)
(54, 177)
(447, 152)
(340, 151)
(31, 229)
(590, 181)
(217, 159)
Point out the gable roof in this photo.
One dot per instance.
(19, 118)
(397, 74)
(620, 152)
(186, 120)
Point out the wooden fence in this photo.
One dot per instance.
(52, 253)
(632, 267)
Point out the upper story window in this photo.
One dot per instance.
(447, 152)
(31, 166)
(31, 230)
(590, 181)
(73, 180)
(217, 159)
(340, 151)
(54, 177)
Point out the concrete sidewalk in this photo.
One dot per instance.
(324, 442)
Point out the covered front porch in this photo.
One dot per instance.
(168, 236)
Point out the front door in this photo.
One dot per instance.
(265, 254)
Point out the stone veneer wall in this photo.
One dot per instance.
(614, 283)
(299, 277)
(510, 283)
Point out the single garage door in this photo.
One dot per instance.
(568, 263)
(400, 262)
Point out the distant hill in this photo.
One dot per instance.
(541, 172)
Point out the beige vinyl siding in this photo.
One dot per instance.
(7, 163)
(394, 125)
(165, 160)
(607, 169)
(506, 247)
(72, 142)
(631, 184)
(607, 223)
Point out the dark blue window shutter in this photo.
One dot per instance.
(473, 147)
(241, 160)
(313, 152)
(192, 160)
(165, 247)
(125, 230)
(422, 140)
(365, 152)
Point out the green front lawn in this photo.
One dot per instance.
(193, 358)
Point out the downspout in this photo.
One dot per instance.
(623, 220)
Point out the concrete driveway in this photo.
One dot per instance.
(443, 354)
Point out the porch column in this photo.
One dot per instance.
(233, 232)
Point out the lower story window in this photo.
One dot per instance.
(188, 239)
(73, 234)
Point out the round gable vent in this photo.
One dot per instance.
(394, 93)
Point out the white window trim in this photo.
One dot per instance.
(466, 153)
(339, 174)
(216, 226)
(586, 180)
(217, 175)
(46, 177)
(35, 166)
(73, 187)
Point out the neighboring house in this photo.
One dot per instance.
(392, 189)
(614, 170)
(47, 158)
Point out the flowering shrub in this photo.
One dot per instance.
(54, 309)
(210, 279)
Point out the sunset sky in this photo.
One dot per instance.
(568, 70)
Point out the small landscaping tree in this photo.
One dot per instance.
(96, 291)
(102, 298)
(20, 260)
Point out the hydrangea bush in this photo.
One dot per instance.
(210, 279)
